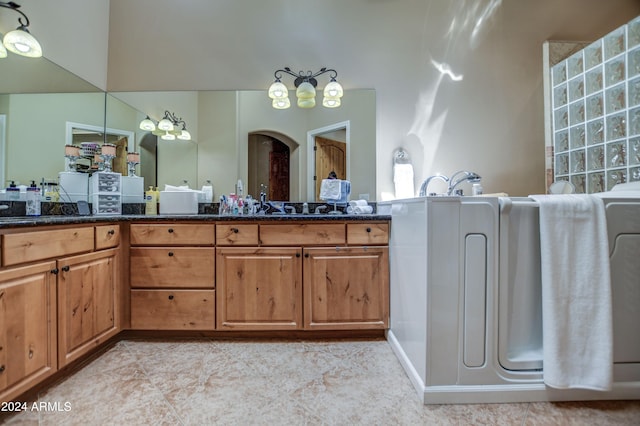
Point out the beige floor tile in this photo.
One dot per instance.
(277, 382)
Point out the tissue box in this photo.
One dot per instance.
(178, 202)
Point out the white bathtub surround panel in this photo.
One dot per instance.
(576, 292)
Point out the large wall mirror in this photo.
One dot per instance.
(233, 133)
(237, 135)
(37, 100)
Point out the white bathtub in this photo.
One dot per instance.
(465, 299)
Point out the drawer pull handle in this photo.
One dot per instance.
(368, 229)
(235, 230)
(170, 230)
(170, 254)
(65, 268)
(171, 297)
(111, 232)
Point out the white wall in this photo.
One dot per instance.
(491, 121)
(73, 33)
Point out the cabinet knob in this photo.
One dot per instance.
(170, 230)
(306, 255)
(297, 254)
(111, 231)
(65, 268)
(368, 229)
(170, 254)
(55, 271)
(235, 230)
(171, 297)
(1, 368)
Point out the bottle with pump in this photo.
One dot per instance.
(13, 192)
(33, 200)
(151, 200)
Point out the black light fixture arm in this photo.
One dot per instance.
(309, 76)
(16, 7)
(174, 119)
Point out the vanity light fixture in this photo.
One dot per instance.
(19, 41)
(306, 84)
(168, 128)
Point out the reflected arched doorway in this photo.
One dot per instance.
(269, 155)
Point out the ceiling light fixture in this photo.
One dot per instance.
(168, 128)
(306, 84)
(19, 41)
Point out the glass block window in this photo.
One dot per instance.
(595, 98)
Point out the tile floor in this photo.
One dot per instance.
(273, 382)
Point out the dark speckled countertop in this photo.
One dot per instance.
(26, 221)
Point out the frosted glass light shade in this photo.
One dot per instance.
(184, 135)
(22, 43)
(282, 103)
(165, 124)
(147, 125)
(278, 90)
(305, 91)
(328, 102)
(3, 51)
(168, 137)
(307, 103)
(333, 90)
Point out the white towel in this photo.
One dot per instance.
(330, 189)
(359, 207)
(576, 292)
(403, 180)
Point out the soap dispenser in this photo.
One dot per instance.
(13, 192)
(33, 200)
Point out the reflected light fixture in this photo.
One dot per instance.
(168, 128)
(306, 84)
(19, 41)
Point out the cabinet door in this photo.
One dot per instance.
(258, 288)
(27, 328)
(88, 308)
(346, 288)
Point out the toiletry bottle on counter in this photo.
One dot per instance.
(151, 200)
(33, 200)
(13, 192)
(476, 189)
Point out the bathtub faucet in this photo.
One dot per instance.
(467, 177)
(425, 184)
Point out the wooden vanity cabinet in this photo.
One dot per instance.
(88, 302)
(59, 298)
(259, 288)
(324, 276)
(172, 276)
(346, 288)
(27, 327)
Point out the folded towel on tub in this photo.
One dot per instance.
(576, 292)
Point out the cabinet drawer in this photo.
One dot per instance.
(107, 236)
(368, 233)
(302, 234)
(172, 234)
(173, 309)
(236, 235)
(183, 267)
(37, 245)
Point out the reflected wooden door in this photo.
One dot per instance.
(279, 175)
(330, 155)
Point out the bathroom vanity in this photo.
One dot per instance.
(69, 284)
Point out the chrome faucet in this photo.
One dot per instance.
(467, 177)
(425, 184)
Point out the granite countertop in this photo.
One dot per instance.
(26, 221)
